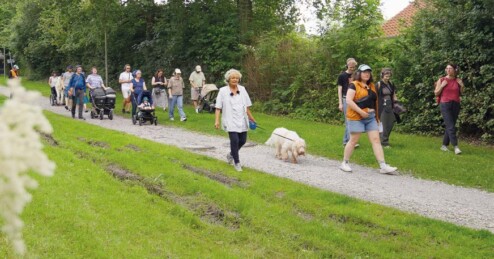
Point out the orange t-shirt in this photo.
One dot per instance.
(360, 92)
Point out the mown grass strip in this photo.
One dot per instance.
(415, 155)
(165, 208)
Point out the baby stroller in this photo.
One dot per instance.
(103, 101)
(207, 99)
(144, 114)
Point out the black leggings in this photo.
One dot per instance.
(237, 140)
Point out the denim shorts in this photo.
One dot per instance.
(363, 125)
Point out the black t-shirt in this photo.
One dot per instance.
(344, 80)
(370, 102)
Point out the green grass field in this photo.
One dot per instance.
(415, 155)
(117, 196)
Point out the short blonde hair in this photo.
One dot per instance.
(231, 72)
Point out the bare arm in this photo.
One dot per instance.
(439, 87)
(340, 97)
(217, 118)
(461, 84)
(144, 86)
(350, 94)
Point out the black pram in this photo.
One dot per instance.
(143, 113)
(103, 101)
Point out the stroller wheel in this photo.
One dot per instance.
(141, 121)
(155, 121)
(110, 115)
(134, 119)
(101, 114)
(92, 114)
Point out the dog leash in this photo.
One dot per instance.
(283, 137)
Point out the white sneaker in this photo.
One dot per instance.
(345, 167)
(172, 119)
(238, 167)
(197, 110)
(457, 151)
(229, 158)
(183, 119)
(387, 169)
(444, 148)
(357, 145)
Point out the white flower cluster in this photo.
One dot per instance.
(20, 153)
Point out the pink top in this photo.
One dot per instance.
(451, 92)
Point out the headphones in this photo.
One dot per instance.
(238, 92)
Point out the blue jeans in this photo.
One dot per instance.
(450, 112)
(179, 101)
(346, 136)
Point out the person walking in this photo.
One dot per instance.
(386, 93)
(448, 90)
(344, 79)
(14, 72)
(159, 84)
(197, 81)
(138, 86)
(52, 81)
(59, 87)
(175, 92)
(233, 104)
(77, 91)
(362, 117)
(66, 80)
(94, 81)
(125, 79)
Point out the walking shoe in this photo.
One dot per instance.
(172, 119)
(123, 111)
(457, 151)
(66, 107)
(345, 167)
(82, 118)
(229, 158)
(73, 116)
(444, 148)
(86, 111)
(387, 169)
(183, 119)
(238, 167)
(357, 145)
(197, 110)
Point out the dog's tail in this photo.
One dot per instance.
(270, 141)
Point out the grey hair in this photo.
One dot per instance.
(229, 73)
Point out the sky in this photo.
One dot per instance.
(391, 7)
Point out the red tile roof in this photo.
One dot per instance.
(403, 19)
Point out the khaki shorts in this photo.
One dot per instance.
(194, 92)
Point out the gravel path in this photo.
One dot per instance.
(462, 206)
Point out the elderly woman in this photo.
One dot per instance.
(175, 93)
(138, 86)
(361, 100)
(233, 103)
(159, 84)
(387, 99)
(448, 90)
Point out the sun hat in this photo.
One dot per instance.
(364, 67)
(16, 66)
(145, 99)
(177, 71)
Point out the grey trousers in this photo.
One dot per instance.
(388, 121)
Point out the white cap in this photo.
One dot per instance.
(364, 67)
(198, 68)
(177, 71)
(16, 66)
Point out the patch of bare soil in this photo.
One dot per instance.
(49, 139)
(95, 143)
(219, 177)
(207, 210)
(133, 147)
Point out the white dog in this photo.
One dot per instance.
(286, 141)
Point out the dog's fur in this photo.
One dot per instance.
(287, 141)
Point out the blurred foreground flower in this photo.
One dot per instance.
(20, 153)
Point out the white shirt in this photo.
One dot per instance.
(233, 109)
(126, 76)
